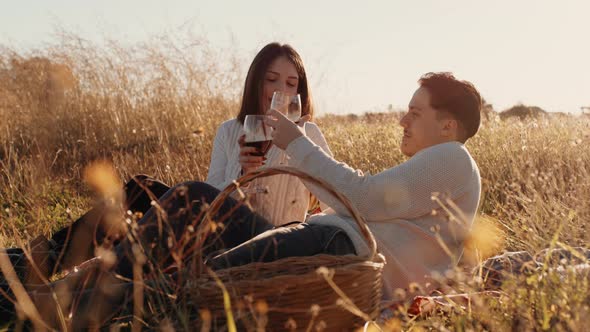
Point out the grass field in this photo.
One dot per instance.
(154, 109)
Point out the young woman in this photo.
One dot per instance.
(275, 68)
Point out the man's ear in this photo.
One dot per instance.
(450, 128)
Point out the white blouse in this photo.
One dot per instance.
(286, 198)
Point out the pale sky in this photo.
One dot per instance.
(359, 55)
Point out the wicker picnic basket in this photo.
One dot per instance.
(331, 293)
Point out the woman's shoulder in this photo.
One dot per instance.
(230, 125)
(314, 133)
(312, 125)
(312, 129)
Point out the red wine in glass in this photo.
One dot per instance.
(262, 147)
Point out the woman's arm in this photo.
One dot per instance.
(315, 134)
(216, 175)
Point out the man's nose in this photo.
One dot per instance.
(403, 122)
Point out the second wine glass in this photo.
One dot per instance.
(290, 106)
(287, 104)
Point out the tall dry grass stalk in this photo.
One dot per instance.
(154, 108)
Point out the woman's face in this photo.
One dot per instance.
(281, 75)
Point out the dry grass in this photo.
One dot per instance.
(153, 108)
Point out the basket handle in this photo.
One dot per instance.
(265, 172)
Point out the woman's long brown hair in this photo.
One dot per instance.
(255, 79)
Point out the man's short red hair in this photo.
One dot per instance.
(458, 98)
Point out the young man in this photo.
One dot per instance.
(420, 210)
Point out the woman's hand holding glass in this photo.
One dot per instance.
(249, 158)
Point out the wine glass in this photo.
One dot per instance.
(258, 135)
(289, 105)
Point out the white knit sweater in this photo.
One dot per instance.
(287, 198)
(399, 207)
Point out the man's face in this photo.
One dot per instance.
(423, 126)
